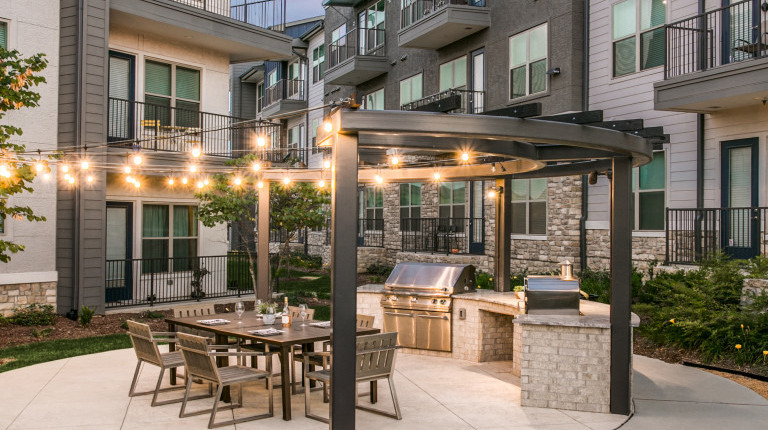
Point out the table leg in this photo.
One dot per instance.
(309, 347)
(223, 362)
(285, 377)
(171, 348)
(374, 391)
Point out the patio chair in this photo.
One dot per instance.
(145, 345)
(375, 360)
(200, 362)
(202, 310)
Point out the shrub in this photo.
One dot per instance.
(307, 261)
(380, 269)
(757, 268)
(152, 315)
(42, 333)
(86, 316)
(35, 314)
(483, 280)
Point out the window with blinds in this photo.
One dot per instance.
(528, 62)
(374, 100)
(529, 206)
(638, 35)
(410, 205)
(410, 89)
(318, 64)
(649, 193)
(169, 231)
(3, 35)
(172, 93)
(453, 74)
(452, 200)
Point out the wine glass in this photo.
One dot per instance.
(239, 309)
(303, 313)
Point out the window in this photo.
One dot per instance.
(318, 64)
(313, 134)
(169, 231)
(260, 96)
(411, 10)
(371, 28)
(271, 78)
(529, 206)
(410, 205)
(410, 89)
(3, 35)
(528, 62)
(635, 20)
(648, 193)
(374, 100)
(172, 86)
(296, 137)
(2, 220)
(453, 74)
(453, 199)
(372, 208)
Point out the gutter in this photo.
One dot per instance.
(700, 145)
(584, 178)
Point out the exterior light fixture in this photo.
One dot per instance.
(321, 184)
(256, 166)
(394, 160)
(379, 179)
(184, 180)
(85, 165)
(436, 175)
(286, 181)
(261, 142)
(137, 159)
(260, 184)
(494, 192)
(566, 270)
(465, 156)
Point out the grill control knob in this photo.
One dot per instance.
(414, 299)
(393, 298)
(442, 302)
(434, 301)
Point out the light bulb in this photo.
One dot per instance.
(395, 161)
(327, 126)
(260, 184)
(129, 179)
(196, 152)
(491, 194)
(89, 179)
(71, 180)
(65, 168)
(184, 180)
(286, 181)
(39, 166)
(137, 184)
(205, 182)
(85, 165)
(256, 166)
(4, 171)
(327, 164)
(261, 142)
(137, 159)
(238, 181)
(321, 184)
(193, 168)
(127, 169)
(436, 175)
(46, 176)
(379, 179)
(200, 184)
(66, 177)
(170, 181)
(465, 156)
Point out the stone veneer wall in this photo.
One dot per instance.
(496, 344)
(15, 295)
(644, 250)
(565, 367)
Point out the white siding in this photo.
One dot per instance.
(315, 98)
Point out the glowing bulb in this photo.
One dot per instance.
(65, 168)
(71, 180)
(260, 184)
(379, 179)
(85, 165)
(436, 175)
(184, 180)
(66, 177)
(127, 169)
(129, 179)
(193, 168)
(286, 181)
(238, 181)
(261, 142)
(46, 176)
(321, 184)
(170, 181)
(200, 184)
(39, 166)
(465, 156)
(256, 166)
(491, 194)
(89, 179)
(137, 184)
(327, 126)
(196, 152)
(327, 164)
(137, 159)
(4, 171)
(395, 161)
(205, 182)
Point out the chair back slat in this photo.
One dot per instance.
(376, 354)
(199, 310)
(296, 313)
(197, 361)
(365, 321)
(141, 338)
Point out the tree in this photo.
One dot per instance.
(18, 75)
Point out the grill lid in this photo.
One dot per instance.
(432, 277)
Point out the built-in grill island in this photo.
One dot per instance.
(418, 299)
(552, 295)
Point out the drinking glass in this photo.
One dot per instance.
(239, 309)
(269, 316)
(303, 314)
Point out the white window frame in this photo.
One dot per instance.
(453, 204)
(8, 29)
(318, 64)
(374, 95)
(173, 96)
(638, 38)
(452, 64)
(170, 238)
(636, 193)
(412, 97)
(528, 61)
(410, 206)
(527, 202)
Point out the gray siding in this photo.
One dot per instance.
(243, 94)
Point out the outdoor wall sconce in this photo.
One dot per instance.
(553, 71)
(494, 192)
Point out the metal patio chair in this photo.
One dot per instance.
(200, 361)
(375, 360)
(145, 345)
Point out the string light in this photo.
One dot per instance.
(394, 160)
(184, 180)
(89, 179)
(200, 184)
(238, 181)
(39, 166)
(193, 168)
(286, 181)
(436, 175)
(327, 164)
(137, 184)
(260, 184)
(171, 181)
(256, 166)
(71, 180)
(85, 165)
(327, 126)
(321, 184)
(493, 167)
(46, 176)
(127, 169)
(129, 179)
(465, 156)
(137, 159)
(205, 182)
(196, 151)
(66, 177)
(65, 168)
(5, 171)
(261, 142)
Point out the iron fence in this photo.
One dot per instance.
(148, 281)
(454, 100)
(443, 235)
(268, 14)
(370, 232)
(358, 41)
(730, 34)
(693, 235)
(285, 89)
(413, 11)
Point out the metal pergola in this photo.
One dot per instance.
(514, 144)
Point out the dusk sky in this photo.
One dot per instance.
(300, 9)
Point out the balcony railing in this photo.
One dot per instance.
(419, 9)
(268, 14)
(443, 235)
(730, 34)
(153, 127)
(148, 281)
(359, 41)
(693, 235)
(454, 100)
(285, 89)
(370, 232)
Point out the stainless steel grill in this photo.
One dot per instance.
(418, 301)
(551, 295)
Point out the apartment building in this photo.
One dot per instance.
(31, 275)
(144, 94)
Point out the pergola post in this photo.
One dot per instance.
(343, 281)
(501, 272)
(621, 286)
(262, 248)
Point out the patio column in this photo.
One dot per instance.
(503, 255)
(343, 281)
(621, 286)
(262, 248)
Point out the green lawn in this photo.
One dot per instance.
(35, 353)
(297, 289)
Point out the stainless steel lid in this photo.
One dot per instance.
(432, 277)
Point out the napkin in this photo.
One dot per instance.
(324, 324)
(216, 321)
(266, 332)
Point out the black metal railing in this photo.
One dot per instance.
(148, 281)
(139, 125)
(413, 12)
(280, 235)
(370, 232)
(358, 41)
(693, 235)
(454, 100)
(268, 14)
(443, 235)
(285, 89)
(730, 34)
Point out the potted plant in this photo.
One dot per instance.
(197, 282)
(519, 292)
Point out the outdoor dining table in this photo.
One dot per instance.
(297, 334)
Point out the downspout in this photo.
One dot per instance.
(584, 178)
(72, 314)
(700, 145)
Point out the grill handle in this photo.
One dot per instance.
(398, 314)
(442, 317)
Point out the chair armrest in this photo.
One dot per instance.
(227, 347)
(240, 354)
(326, 345)
(317, 354)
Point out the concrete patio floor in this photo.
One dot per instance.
(90, 392)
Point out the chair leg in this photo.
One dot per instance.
(186, 396)
(215, 406)
(391, 381)
(157, 388)
(135, 379)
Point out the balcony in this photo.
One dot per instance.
(454, 100)
(248, 30)
(287, 95)
(716, 60)
(370, 232)
(443, 235)
(357, 57)
(433, 24)
(694, 235)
